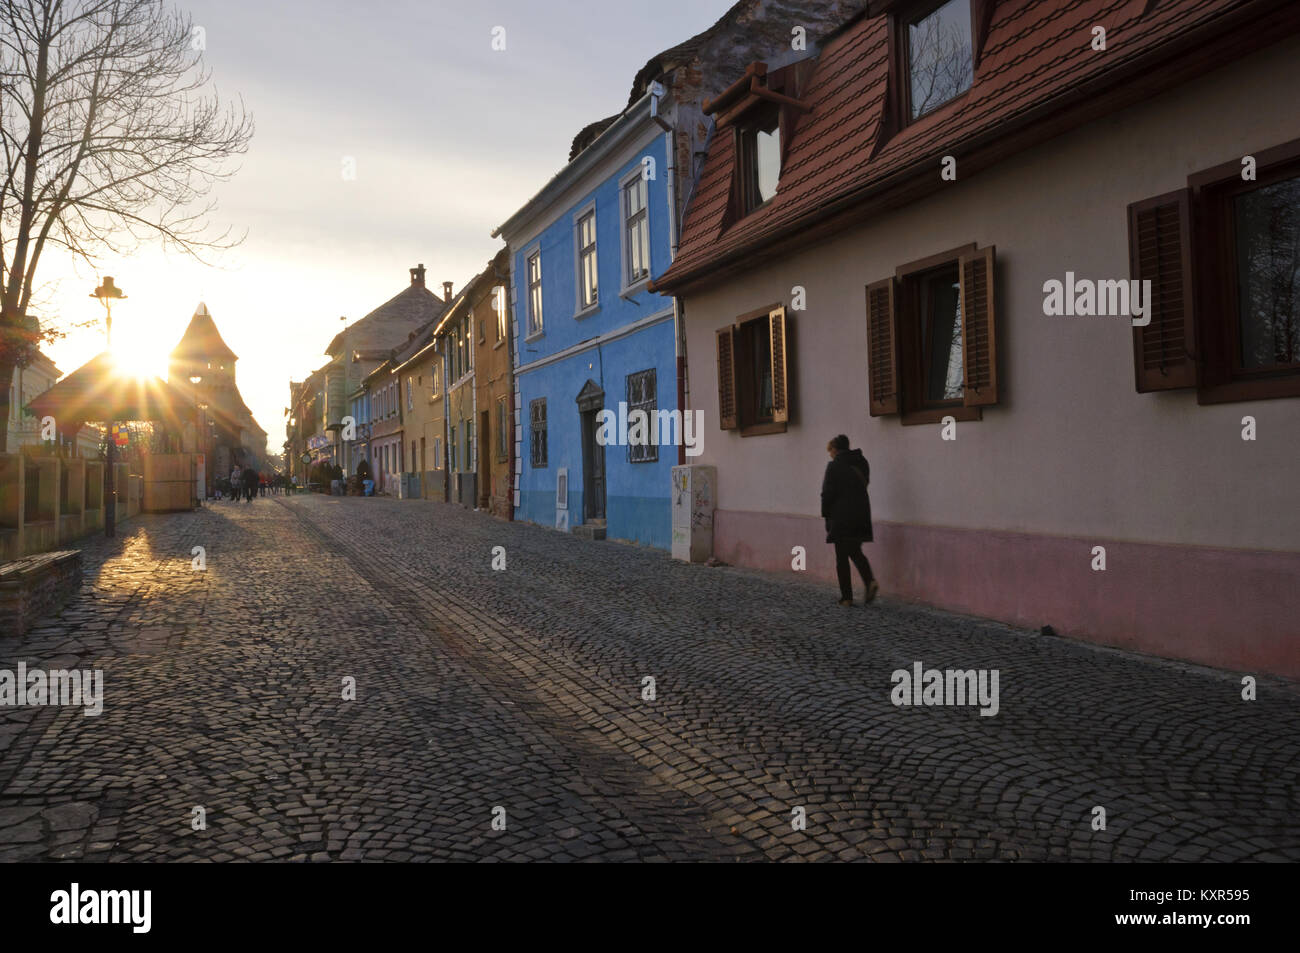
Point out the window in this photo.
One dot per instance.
(481, 336)
(642, 395)
(534, 271)
(753, 391)
(759, 162)
(437, 453)
(410, 393)
(938, 336)
(537, 429)
(940, 62)
(499, 303)
(503, 429)
(586, 238)
(930, 342)
(469, 444)
(451, 450)
(636, 229)
(435, 372)
(1231, 288)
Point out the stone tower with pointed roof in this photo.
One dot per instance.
(203, 364)
(203, 353)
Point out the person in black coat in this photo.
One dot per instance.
(846, 507)
(250, 484)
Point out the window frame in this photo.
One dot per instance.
(503, 429)
(743, 386)
(1220, 377)
(500, 305)
(900, 56)
(648, 452)
(630, 284)
(534, 323)
(748, 198)
(537, 460)
(914, 407)
(583, 308)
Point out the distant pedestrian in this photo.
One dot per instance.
(250, 484)
(236, 482)
(846, 507)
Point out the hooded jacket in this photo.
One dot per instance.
(846, 507)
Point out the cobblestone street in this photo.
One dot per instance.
(522, 689)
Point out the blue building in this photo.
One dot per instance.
(589, 337)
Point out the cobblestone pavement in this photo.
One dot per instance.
(522, 690)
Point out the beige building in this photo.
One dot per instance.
(360, 348)
(25, 429)
(897, 271)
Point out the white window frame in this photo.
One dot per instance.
(501, 304)
(631, 286)
(535, 323)
(581, 310)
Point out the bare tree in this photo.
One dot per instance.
(940, 61)
(111, 136)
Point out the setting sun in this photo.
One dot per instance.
(140, 357)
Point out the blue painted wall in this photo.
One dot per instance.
(637, 495)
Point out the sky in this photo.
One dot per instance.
(447, 137)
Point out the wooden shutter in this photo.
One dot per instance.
(882, 348)
(780, 390)
(979, 351)
(1160, 248)
(727, 378)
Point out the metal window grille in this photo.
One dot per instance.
(642, 394)
(537, 427)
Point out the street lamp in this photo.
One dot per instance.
(107, 293)
(200, 444)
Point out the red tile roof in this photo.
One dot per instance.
(1037, 55)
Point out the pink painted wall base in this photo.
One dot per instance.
(1229, 608)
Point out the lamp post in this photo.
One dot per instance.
(200, 444)
(107, 293)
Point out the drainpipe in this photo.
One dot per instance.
(679, 350)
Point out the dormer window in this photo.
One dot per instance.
(940, 58)
(760, 157)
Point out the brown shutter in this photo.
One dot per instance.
(979, 351)
(1160, 248)
(780, 392)
(882, 348)
(727, 378)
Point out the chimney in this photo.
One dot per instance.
(446, 291)
(417, 275)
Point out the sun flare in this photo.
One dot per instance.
(138, 358)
